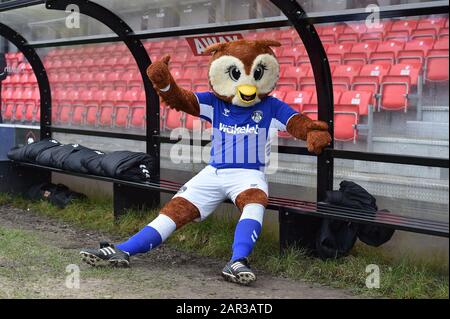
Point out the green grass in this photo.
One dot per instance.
(400, 277)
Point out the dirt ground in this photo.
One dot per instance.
(163, 273)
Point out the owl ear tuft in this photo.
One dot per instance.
(213, 48)
(269, 43)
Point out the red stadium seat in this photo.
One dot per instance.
(343, 75)
(307, 83)
(173, 119)
(346, 119)
(9, 103)
(366, 48)
(355, 58)
(114, 81)
(429, 34)
(339, 48)
(291, 55)
(369, 79)
(133, 80)
(92, 112)
(394, 92)
(88, 65)
(415, 51)
(188, 76)
(290, 77)
(443, 34)
(20, 97)
(360, 98)
(433, 23)
(30, 106)
(65, 110)
(411, 70)
(351, 33)
(376, 31)
(99, 81)
(281, 95)
(421, 45)
(437, 66)
(138, 112)
(407, 25)
(359, 54)
(297, 99)
(80, 107)
(74, 81)
(386, 52)
(86, 80)
(189, 121)
(328, 33)
(441, 44)
(107, 108)
(123, 107)
(6, 100)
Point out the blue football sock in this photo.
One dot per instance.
(247, 231)
(149, 237)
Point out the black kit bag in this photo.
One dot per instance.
(356, 196)
(92, 161)
(126, 165)
(58, 195)
(55, 157)
(374, 235)
(74, 162)
(30, 152)
(336, 238)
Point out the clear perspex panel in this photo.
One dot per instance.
(390, 82)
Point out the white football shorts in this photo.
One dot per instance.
(209, 188)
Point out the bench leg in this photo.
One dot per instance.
(128, 197)
(17, 180)
(297, 230)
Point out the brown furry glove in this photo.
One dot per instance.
(317, 141)
(165, 85)
(158, 72)
(315, 133)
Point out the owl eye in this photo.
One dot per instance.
(234, 73)
(259, 72)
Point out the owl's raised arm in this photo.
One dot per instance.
(167, 88)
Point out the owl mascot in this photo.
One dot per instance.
(243, 115)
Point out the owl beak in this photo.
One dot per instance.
(247, 93)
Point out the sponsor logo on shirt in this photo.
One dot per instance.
(235, 129)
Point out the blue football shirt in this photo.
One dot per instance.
(241, 136)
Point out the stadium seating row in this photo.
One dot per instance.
(391, 84)
(100, 86)
(126, 109)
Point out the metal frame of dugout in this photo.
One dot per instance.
(294, 214)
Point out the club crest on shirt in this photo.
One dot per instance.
(226, 112)
(257, 116)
